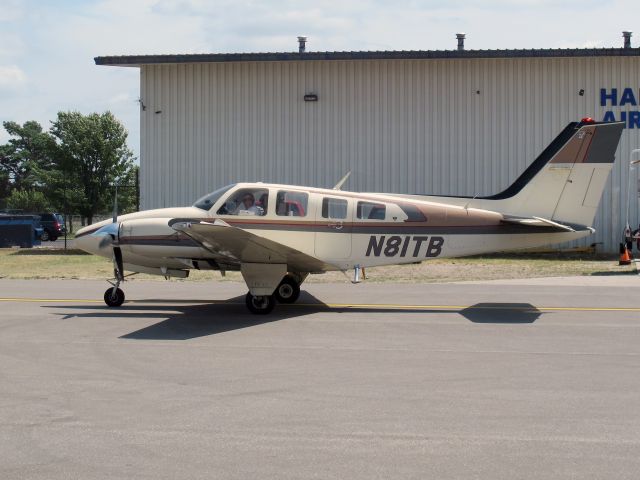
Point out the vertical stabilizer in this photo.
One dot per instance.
(566, 182)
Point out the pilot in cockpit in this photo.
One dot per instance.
(248, 206)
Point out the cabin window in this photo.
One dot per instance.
(247, 201)
(371, 211)
(291, 204)
(206, 202)
(413, 213)
(335, 208)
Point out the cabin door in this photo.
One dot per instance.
(334, 219)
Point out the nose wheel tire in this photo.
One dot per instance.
(114, 299)
(288, 291)
(260, 304)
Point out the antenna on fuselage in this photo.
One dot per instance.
(342, 181)
(466, 207)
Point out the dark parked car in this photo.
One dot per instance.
(52, 225)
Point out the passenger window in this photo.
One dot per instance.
(291, 204)
(248, 201)
(371, 211)
(413, 213)
(334, 208)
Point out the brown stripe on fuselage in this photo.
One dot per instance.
(362, 228)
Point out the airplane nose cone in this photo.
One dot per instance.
(86, 242)
(97, 239)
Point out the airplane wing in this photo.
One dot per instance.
(237, 246)
(540, 222)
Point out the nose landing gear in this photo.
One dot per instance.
(114, 296)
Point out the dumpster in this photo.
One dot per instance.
(20, 231)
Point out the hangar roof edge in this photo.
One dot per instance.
(137, 60)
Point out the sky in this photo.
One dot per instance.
(47, 47)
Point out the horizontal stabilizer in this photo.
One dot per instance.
(539, 222)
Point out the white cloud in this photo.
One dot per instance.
(11, 77)
(11, 10)
(120, 98)
(56, 42)
(11, 45)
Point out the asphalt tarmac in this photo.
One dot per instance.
(496, 380)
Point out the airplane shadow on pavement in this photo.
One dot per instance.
(187, 319)
(512, 313)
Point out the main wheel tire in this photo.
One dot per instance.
(288, 291)
(260, 304)
(53, 239)
(114, 300)
(45, 236)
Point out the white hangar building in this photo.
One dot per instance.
(459, 122)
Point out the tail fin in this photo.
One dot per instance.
(566, 181)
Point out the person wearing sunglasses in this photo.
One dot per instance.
(248, 206)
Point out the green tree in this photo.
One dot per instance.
(92, 154)
(128, 190)
(28, 200)
(5, 187)
(28, 150)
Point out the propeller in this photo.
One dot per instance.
(110, 232)
(115, 206)
(115, 236)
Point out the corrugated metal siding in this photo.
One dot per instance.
(409, 126)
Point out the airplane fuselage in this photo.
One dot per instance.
(341, 229)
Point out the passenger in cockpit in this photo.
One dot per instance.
(263, 203)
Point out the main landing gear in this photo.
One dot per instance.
(288, 291)
(260, 304)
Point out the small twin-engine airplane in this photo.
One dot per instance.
(276, 235)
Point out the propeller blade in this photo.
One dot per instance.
(115, 206)
(117, 255)
(106, 241)
(109, 233)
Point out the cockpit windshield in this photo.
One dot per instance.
(206, 202)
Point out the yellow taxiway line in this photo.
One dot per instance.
(49, 300)
(475, 307)
(372, 306)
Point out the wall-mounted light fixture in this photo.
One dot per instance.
(310, 97)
